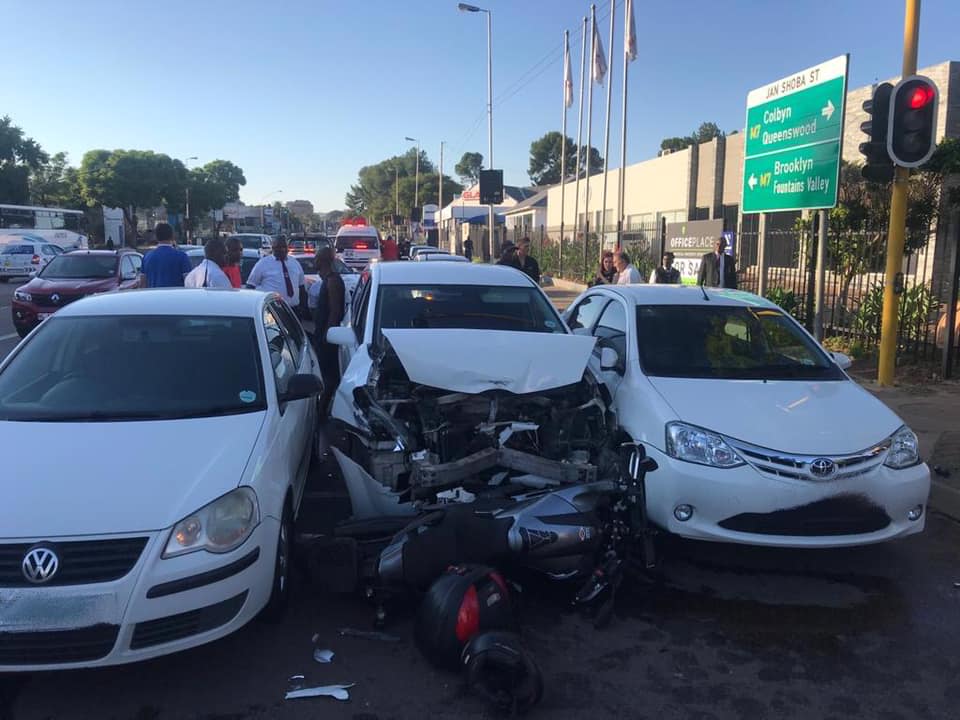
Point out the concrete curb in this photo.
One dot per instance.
(945, 499)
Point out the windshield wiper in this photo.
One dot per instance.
(95, 416)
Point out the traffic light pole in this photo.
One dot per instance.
(898, 213)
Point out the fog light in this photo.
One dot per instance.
(683, 512)
(915, 513)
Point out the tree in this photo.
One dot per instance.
(213, 186)
(19, 156)
(705, 133)
(129, 179)
(544, 168)
(374, 193)
(469, 167)
(55, 184)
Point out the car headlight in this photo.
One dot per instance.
(219, 527)
(904, 449)
(696, 445)
(22, 296)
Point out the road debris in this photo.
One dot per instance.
(338, 692)
(368, 635)
(322, 656)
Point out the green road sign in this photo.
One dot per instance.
(793, 144)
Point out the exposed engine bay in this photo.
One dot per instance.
(419, 442)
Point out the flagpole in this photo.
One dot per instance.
(586, 199)
(629, 46)
(563, 134)
(576, 191)
(606, 134)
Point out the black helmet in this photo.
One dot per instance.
(497, 667)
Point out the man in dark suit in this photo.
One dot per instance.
(717, 269)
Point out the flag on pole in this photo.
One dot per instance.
(630, 34)
(599, 59)
(567, 76)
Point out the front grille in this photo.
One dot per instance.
(800, 467)
(58, 646)
(839, 515)
(194, 622)
(45, 301)
(80, 562)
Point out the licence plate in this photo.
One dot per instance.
(55, 609)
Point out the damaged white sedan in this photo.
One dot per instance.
(460, 380)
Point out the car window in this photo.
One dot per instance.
(126, 268)
(358, 315)
(81, 266)
(291, 327)
(68, 371)
(137, 262)
(613, 327)
(281, 355)
(47, 250)
(471, 307)
(731, 342)
(17, 250)
(586, 313)
(357, 242)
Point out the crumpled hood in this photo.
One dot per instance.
(112, 477)
(828, 418)
(475, 361)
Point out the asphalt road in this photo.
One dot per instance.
(8, 336)
(718, 632)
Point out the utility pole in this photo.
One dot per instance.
(892, 286)
(439, 220)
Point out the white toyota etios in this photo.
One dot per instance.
(759, 435)
(176, 429)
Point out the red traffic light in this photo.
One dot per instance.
(920, 96)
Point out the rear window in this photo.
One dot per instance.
(79, 267)
(357, 242)
(17, 250)
(251, 242)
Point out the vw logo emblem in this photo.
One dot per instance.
(822, 468)
(55, 298)
(40, 564)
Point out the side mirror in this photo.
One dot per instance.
(610, 360)
(341, 335)
(842, 360)
(301, 387)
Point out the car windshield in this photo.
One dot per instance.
(124, 367)
(253, 242)
(477, 307)
(308, 263)
(731, 342)
(80, 267)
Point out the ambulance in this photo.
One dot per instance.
(357, 243)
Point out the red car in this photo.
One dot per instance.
(69, 277)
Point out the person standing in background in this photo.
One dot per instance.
(666, 273)
(468, 249)
(278, 273)
(528, 263)
(627, 274)
(326, 302)
(717, 268)
(607, 273)
(165, 265)
(234, 257)
(389, 252)
(209, 273)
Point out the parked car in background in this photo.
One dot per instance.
(195, 542)
(416, 249)
(20, 255)
(263, 244)
(69, 277)
(249, 259)
(308, 243)
(760, 435)
(424, 256)
(350, 277)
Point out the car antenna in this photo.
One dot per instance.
(705, 296)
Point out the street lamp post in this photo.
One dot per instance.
(464, 7)
(416, 177)
(186, 164)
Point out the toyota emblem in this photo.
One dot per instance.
(822, 468)
(55, 298)
(40, 564)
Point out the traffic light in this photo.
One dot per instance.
(878, 166)
(911, 137)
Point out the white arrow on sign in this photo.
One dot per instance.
(752, 182)
(827, 110)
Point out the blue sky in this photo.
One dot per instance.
(302, 93)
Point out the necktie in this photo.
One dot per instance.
(286, 278)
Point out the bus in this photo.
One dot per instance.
(66, 228)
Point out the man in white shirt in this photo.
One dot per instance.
(208, 274)
(278, 273)
(627, 273)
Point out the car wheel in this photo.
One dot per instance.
(276, 606)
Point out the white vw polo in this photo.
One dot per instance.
(760, 436)
(157, 515)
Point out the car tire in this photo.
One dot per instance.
(276, 606)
